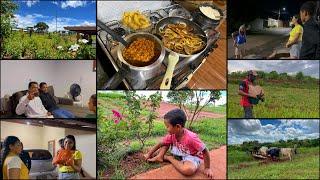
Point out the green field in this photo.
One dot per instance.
(19, 45)
(305, 165)
(280, 102)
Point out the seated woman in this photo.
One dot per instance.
(92, 106)
(12, 166)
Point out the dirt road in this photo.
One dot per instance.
(165, 107)
(262, 44)
(217, 163)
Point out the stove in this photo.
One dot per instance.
(184, 70)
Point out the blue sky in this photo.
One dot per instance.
(69, 13)
(264, 130)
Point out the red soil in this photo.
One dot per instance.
(165, 107)
(218, 166)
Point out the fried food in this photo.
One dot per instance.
(141, 52)
(135, 20)
(181, 39)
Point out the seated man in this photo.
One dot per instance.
(51, 105)
(31, 105)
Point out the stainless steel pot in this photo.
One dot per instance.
(204, 21)
(135, 73)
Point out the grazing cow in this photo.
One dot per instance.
(289, 152)
(263, 151)
(273, 152)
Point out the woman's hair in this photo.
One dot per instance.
(298, 19)
(73, 139)
(61, 141)
(10, 140)
(94, 99)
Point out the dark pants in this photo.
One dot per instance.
(248, 112)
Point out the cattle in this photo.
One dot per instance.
(273, 152)
(263, 151)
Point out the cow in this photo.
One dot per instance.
(273, 152)
(263, 151)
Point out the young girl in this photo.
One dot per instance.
(184, 144)
(239, 42)
(92, 104)
(295, 39)
(71, 168)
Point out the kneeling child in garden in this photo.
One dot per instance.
(185, 145)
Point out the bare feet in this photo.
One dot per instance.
(155, 159)
(167, 158)
(147, 156)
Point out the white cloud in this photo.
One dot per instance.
(55, 2)
(248, 130)
(31, 2)
(31, 20)
(73, 4)
(87, 23)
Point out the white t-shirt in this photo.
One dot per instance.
(14, 162)
(32, 108)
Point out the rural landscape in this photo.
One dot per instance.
(47, 30)
(273, 149)
(287, 94)
(131, 122)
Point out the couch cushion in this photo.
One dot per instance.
(51, 92)
(15, 100)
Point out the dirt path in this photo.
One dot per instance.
(263, 43)
(218, 165)
(165, 107)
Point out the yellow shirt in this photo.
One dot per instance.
(14, 161)
(76, 155)
(298, 29)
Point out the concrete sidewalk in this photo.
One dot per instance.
(218, 159)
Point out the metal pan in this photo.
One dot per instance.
(174, 57)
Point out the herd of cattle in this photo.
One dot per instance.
(275, 152)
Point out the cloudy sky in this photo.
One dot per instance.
(308, 67)
(69, 13)
(271, 130)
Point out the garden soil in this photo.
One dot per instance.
(217, 164)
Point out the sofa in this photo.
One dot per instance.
(65, 103)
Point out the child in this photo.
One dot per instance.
(92, 104)
(239, 41)
(184, 144)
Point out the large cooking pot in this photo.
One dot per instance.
(203, 20)
(174, 57)
(133, 72)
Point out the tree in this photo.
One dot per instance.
(41, 27)
(299, 76)
(7, 13)
(180, 97)
(192, 102)
(273, 75)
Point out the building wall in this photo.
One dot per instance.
(60, 74)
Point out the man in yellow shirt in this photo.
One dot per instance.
(295, 39)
